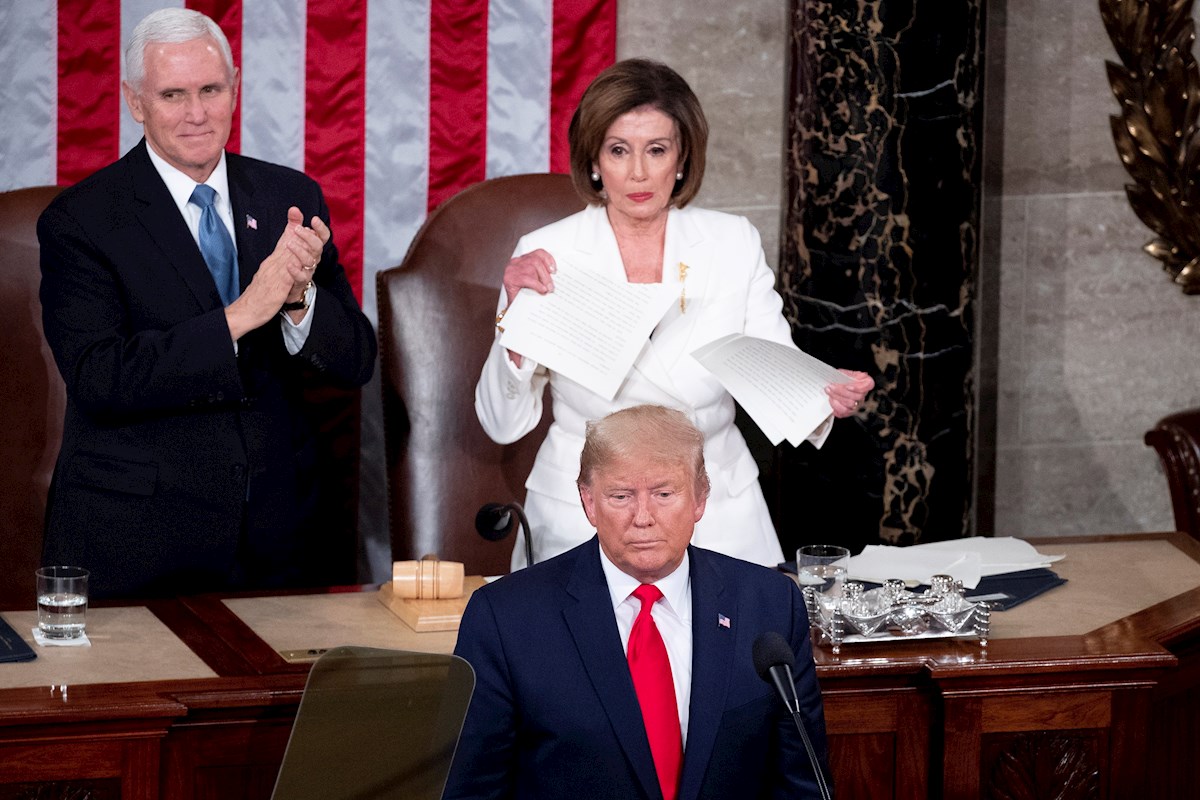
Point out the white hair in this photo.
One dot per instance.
(171, 26)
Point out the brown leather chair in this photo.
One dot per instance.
(1177, 439)
(32, 397)
(436, 323)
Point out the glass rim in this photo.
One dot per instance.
(61, 571)
(823, 550)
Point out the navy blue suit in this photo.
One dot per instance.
(184, 466)
(554, 712)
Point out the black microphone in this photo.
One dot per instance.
(494, 521)
(773, 661)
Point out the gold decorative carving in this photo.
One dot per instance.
(1157, 84)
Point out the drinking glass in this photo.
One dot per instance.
(62, 601)
(823, 567)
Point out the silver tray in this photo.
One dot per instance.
(891, 612)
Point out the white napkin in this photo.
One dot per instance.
(966, 560)
(79, 641)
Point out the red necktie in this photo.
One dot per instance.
(651, 671)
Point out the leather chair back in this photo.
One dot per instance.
(436, 323)
(32, 397)
(1177, 439)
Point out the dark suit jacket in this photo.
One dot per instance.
(554, 712)
(184, 466)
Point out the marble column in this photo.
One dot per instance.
(879, 263)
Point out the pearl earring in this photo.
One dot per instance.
(595, 176)
(679, 176)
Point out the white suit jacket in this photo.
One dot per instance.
(728, 288)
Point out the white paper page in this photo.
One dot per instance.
(967, 559)
(1000, 555)
(877, 563)
(782, 389)
(589, 329)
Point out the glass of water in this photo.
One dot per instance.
(823, 567)
(62, 600)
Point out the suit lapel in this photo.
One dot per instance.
(160, 217)
(594, 630)
(686, 244)
(597, 243)
(712, 661)
(251, 220)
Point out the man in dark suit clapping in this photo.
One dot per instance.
(188, 295)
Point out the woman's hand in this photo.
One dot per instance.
(530, 271)
(845, 398)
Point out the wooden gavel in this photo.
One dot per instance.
(427, 579)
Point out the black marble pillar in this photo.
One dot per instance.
(879, 263)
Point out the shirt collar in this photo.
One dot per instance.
(181, 186)
(674, 586)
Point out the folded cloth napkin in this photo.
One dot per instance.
(44, 641)
(966, 560)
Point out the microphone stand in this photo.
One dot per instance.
(787, 691)
(495, 521)
(822, 786)
(521, 518)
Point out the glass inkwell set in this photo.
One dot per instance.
(892, 611)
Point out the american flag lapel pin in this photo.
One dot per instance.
(251, 223)
(722, 621)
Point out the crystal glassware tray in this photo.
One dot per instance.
(892, 612)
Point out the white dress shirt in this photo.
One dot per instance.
(673, 617)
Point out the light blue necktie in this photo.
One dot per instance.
(215, 244)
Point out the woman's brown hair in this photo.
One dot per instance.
(621, 88)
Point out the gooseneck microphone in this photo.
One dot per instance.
(494, 521)
(773, 661)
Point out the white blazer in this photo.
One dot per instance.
(728, 288)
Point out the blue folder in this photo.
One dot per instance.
(12, 646)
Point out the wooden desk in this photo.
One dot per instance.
(1090, 691)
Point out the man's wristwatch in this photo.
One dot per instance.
(301, 304)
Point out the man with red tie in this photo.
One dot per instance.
(623, 668)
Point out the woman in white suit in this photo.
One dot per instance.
(638, 141)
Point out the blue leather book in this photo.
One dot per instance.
(1012, 589)
(12, 646)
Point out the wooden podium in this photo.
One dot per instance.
(1092, 690)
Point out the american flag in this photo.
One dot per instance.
(392, 105)
(722, 621)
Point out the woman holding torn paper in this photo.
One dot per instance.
(638, 141)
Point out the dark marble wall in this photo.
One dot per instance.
(879, 262)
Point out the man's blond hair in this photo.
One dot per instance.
(654, 434)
